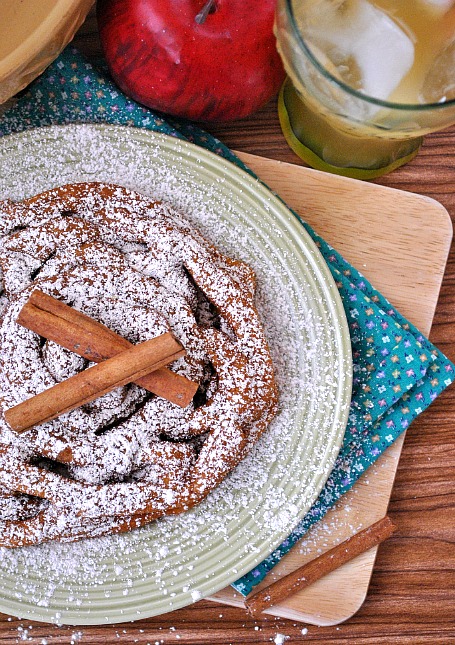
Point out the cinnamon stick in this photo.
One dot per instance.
(305, 575)
(94, 382)
(89, 338)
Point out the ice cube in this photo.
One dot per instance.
(439, 84)
(361, 40)
(439, 7)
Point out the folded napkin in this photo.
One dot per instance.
(397, 371)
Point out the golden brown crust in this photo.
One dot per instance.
(124, 460)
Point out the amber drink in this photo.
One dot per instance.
(366, 80)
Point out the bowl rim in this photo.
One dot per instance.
(41, 35)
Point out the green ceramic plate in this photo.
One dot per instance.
(178, 560)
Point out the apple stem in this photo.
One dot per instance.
(204, 12)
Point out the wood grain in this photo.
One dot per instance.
(411, 600)
(331, 206)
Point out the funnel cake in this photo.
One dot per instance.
(128, 457)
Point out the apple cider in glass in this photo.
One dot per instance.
(366, 79)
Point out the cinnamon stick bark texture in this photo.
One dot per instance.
(95, 381)
(312, 571)
(89, 338)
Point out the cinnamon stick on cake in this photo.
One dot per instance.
(97, 271)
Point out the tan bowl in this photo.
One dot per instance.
(32, 34)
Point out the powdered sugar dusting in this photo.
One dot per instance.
(165, 564)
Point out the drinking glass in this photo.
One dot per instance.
(335, 127)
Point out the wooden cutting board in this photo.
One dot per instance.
(400, 242)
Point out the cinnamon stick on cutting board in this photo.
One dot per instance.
(312, 571)
(89, 338)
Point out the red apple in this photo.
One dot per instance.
(205, 60)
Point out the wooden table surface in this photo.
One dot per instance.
(412, 594)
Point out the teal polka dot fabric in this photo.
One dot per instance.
(397, 371)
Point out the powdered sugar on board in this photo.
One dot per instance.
(179, 559)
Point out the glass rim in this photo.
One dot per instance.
(414, 107)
